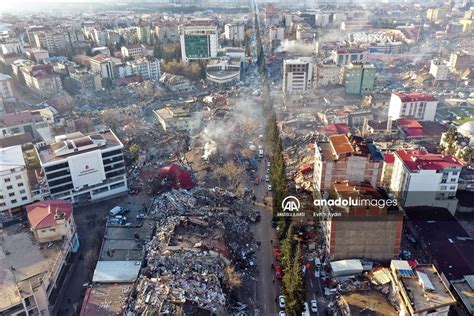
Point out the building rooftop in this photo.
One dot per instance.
(414, 97)
(444, 239)
(359, 302)
(30, 263)
(423, 160)
(105, 299)
(423, 285)
(66, 145)
(12, 119)
(354, 189)
(464, 288)
(43, 214)
(341, 145)
(11, 157)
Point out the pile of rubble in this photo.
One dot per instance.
(199, 233)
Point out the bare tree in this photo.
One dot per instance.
(231, 173)
(232, 278)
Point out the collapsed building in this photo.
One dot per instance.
(200, 236)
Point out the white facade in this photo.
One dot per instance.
(439, 69)
(345, 56)
(100, 37)
(416, 105)
(297, 75)
(327, 74)
(82, 169)
(148, 68)
(420, 178)
(15, 189)
(7, 91)
(234, 31)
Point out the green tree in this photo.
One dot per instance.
(287, 249)
(293, 285)
(135, 151)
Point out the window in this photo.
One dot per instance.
(13, 201)
(24, 198)
(452, 187)
(52, 229)
(7, 180)
(443, 187)
(443, 180)
(11, 194)
(453, 180)
(22, 191)
(20, 184)
(9, 187)
(2, 204)
(18, 177)
(455, 173)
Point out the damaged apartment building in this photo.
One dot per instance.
(201, 236)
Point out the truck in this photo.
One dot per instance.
(116, 210)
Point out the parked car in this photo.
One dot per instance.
(281, 301)
(314, 306)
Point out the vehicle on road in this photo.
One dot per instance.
(281, 313)
(278, 272)
(305, 309)
(140, 216)
(116, 210)
(269, 187)
(281, 301)
(314, 306)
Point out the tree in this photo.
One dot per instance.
(135, 151)
(231, 173)
(293, 285)
(449, 140)
(287, 248)
(232, 278)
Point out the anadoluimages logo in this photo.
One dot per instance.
(290, 206)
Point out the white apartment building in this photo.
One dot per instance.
(297, 75)
(439, 69)
(198, 42)
(100, 37)
(133, 51)
(103, 66)
(55, 41)
(15, 188)
(327, 73)
(234, 31)
(345, 56)
(43, 80)
(7, 90)
(420, 106)
(84, 168)
(147, 67)
(420, 178)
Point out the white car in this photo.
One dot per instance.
(314, 306)
(269, 187)
(281, 313)
(281, 301)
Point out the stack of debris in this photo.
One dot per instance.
(199, 233)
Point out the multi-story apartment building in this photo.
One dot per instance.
(146, 67)
(359, 78)
(297, 75)
(198, 42)
(7, 89)
(103, 66)
(11, 44)
(327, 73)
(420, 178)
(346, 158)
(43, 80)
(234, 31)
(84, 80)
(144, 34)
(133, 51)
(439, 69)
(345, 56)
(420, 289)
(15, 189)
(355, 231)
(32, 275)
(55, 42)
(84, 168)
(100, 36)
(459, 61)
(167, 31)
(420, 106)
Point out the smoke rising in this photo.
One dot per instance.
(296, 47)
